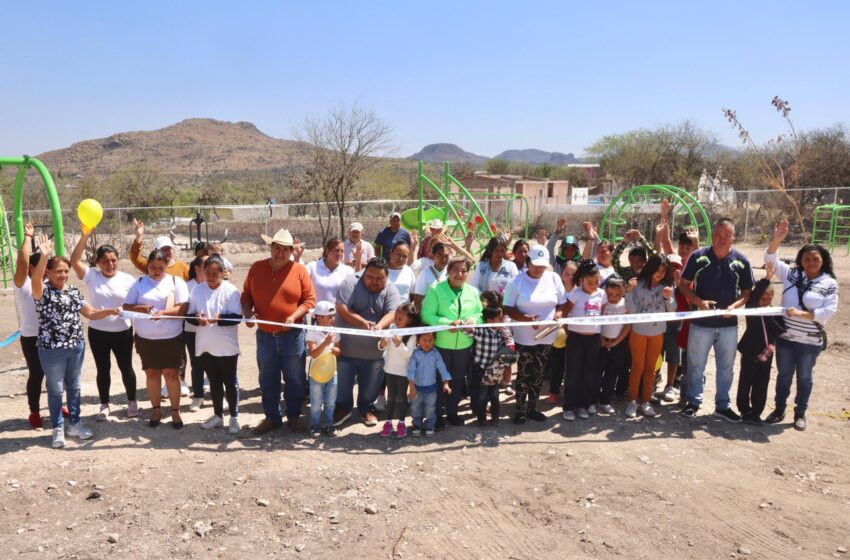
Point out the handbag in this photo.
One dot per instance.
(769, 348)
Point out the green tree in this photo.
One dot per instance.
(674, 154)
(498, 166)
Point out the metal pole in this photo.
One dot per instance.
(747, 216)
(835, 198)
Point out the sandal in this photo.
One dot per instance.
(176, 424)
(154, 422)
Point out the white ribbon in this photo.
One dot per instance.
(628, 319)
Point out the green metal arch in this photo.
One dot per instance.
(681, 201)
(23, 164)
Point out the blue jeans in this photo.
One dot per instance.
(62, 368)
(700, 341)
(276, 355)
(424, 406)
(322, 403)
(795, 357)
(369, 375)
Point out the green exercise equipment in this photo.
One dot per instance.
(685, 210)
(7, 249)
(457, 207)
(831, 226)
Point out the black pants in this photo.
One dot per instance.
(222, 373)
(197, 370)
(487, 394)
(752, 385)
(532, 365)
(35, 379)
(103, 344)
(458, 363)
(397, 406)
(582, 370)
(613, 364)
(557, 366)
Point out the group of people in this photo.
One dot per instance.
(398, 283)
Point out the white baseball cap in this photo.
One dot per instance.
(436, 223)
(162, 241)
(539, 256)
(324, 308)
(356, 226)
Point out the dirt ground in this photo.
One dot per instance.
(600, 488)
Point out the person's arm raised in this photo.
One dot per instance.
(80, 268)
(22, 264)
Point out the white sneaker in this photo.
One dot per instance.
(606, 409)
(213, 422)
(58, 438)
(78, 430)
(164, 392)
(196, 405)
(631, 409)
(669, 394)
(103, 415)
(568, 415)
(184, 389)
(591, 410)
(647, 410)
(381, 403)
(582, 413)
(234, 426)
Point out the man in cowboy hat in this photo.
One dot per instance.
(279, 289)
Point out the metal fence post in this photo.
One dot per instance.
(747, 216)
(835, 198)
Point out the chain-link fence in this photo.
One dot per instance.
(754, 212)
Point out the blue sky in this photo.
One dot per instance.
(487, 76)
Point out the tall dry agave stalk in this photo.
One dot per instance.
(775, 175)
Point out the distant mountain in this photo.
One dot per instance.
(537, 156)
(192, 147)
(439, 153)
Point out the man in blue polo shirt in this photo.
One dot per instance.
(390, 236)
(716, 277)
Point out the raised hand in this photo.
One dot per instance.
(139, 228)
(44, 244)
(560, 225)
(29, 230)
(769, 270)
(665, 209)
(667, 292)
(780, 232)
(632, 235)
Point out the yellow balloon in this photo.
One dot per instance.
(90, 212)
(323, 368)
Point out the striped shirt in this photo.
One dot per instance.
(820, 297)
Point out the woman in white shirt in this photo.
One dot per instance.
(196, 370)
(159, 340)
(108, 287)
(217, 312)
(400, 274)
(494, 271)
(534, 295)
(328, 272)
(26, 263)
(810, 295)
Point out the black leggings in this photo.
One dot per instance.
(582, 360)
(612, 363)
(197, 370)
(35, 379)
(396, 396)
(221, 371)
(557, 368)
(103, 344)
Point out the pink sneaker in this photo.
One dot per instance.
(401, 430)
(387, 430)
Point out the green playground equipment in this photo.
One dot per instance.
(831, 226)
(685, 210)
(7, 250)
(458, 209)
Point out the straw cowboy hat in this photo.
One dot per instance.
(282, 238)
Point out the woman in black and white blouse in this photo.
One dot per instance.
(61, 343)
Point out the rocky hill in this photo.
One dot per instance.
(439, 153)
(537, 156)
(193, 146)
